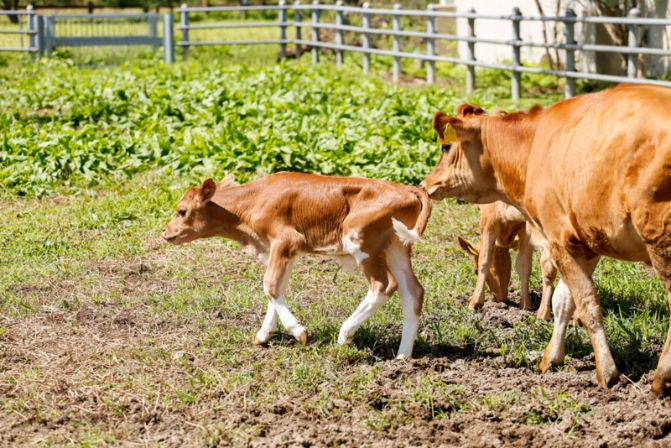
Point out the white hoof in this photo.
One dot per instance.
(344, 339)
(262, 337)
(301, 334)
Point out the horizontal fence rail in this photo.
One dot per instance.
(26, 31)
(312, 33)
(309, 16)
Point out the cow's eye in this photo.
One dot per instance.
(445, 148)
(181, 212)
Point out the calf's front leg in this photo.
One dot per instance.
(487, 250)
(274, 285)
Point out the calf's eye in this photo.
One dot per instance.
(181, 212)
(445, 148)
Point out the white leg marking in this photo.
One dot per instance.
(354, 248)
(368, 306)
(563, 308)
(288, 320)
(269, 325)
(399, 265)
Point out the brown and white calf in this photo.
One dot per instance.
(593, 173)
(502, 227)
(369, 222)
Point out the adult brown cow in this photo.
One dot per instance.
(592, 172)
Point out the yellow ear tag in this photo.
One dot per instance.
(449, 135)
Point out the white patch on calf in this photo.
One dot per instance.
(353, 248)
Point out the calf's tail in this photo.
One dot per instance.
(412, 236)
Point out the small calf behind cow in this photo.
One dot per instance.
(369, 222)
(502, 227)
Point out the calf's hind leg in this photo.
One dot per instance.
(523, 267)
(411, 293)
(549, 273)
(381, 285)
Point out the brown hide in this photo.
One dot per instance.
(593, 172)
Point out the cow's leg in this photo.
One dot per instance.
(523, 267)
(563, 308)
(487, 244)
(411, 293)
(381, 285)
(577, 273)
(662, 264)
(549, 273)
(274, 285)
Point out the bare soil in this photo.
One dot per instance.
(68, 365)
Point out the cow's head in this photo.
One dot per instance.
(195, 214)
(463, 170)
(498, 273)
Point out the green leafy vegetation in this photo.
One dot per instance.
(63, 127)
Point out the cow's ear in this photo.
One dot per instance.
(227, 181)
(451, 129)
(207, 190)
(468, 247)
(465, 109)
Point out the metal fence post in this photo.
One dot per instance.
(283, 28)
(569, 33)
(470, 54)
(315, 32)
(32, 30)
(298, 19)
(632, 58)
(153, 27)
(49, 26)
(168, 38)
(340, 34)
(184, 24)
(41, 44)
(396, 75)
(366, 37)
(431, 45)
(517, 76)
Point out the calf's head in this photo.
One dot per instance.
(463, 170)
(498, 272)
(195, 215)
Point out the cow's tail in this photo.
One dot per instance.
(412, 236)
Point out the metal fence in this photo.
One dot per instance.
(42, 33)
(46, 32)
(314, 12)
(26, 30)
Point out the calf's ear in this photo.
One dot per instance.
(207, 190)
(468, 247)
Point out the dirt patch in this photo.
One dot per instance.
(123, 370)
(476, 399)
